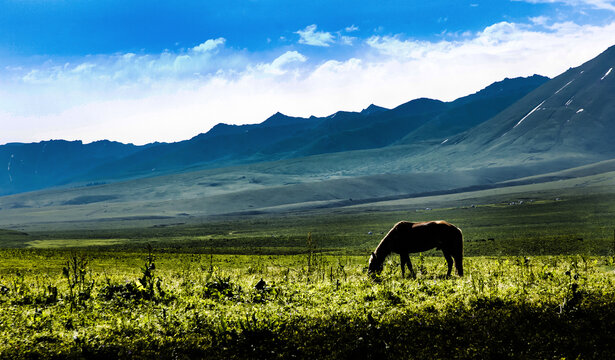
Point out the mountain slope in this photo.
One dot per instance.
(415, 121)
(222, 145)
(571, 116)
(471, 110)
(50, 163)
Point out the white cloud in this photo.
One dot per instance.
(85, 67)
(147, 97)
(209, 45)
(278, 66)
(593, 4)
(517, 49)
(352, 28)
(130, 68)
(310, 36)
(348, 40)
(501, 50)
(540, 20)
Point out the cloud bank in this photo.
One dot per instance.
(173, 96)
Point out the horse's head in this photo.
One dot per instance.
(374, 265)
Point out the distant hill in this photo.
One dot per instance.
(57, 162)
(51, 163)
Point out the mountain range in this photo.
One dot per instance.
(57, 162)
(515, 131)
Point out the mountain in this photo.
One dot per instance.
(282, 137)
(471, 110)
(420, 120)
(372, 109)
(53, 163)
(568, 119)
(50, 163)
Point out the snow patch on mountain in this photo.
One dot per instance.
(530, 113)
(9, 168)
(562, 88)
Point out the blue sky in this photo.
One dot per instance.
(142, 71)
(65, 28)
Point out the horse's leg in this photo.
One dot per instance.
(459, 263)
(458, 253)
(406, 259)
(403, 264)
(449, 261)
(412, 273)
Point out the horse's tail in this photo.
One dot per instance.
(458, 253)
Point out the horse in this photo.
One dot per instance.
(407, 237)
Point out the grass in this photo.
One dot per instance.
(208, 306)
(539, 283)
(537, 223)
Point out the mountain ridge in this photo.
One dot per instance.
(278, 137)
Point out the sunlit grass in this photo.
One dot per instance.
(207, 305)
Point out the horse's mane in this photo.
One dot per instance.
(382, 246)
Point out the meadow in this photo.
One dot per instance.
(539, 283)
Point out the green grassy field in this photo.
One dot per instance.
(120, 304)
(539, 276)
(571, 221)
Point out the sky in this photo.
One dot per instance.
(145, 71)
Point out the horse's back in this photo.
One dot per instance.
(436, 226)
(408, 236)
(441, 230)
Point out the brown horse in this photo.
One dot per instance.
(406, 237)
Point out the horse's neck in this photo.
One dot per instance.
(383, 249)
(389, 241)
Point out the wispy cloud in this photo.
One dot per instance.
(129, 68)
(348, 40)
(540, 20)
(593, 4)
(310, 36)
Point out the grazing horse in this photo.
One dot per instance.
(406, 237)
